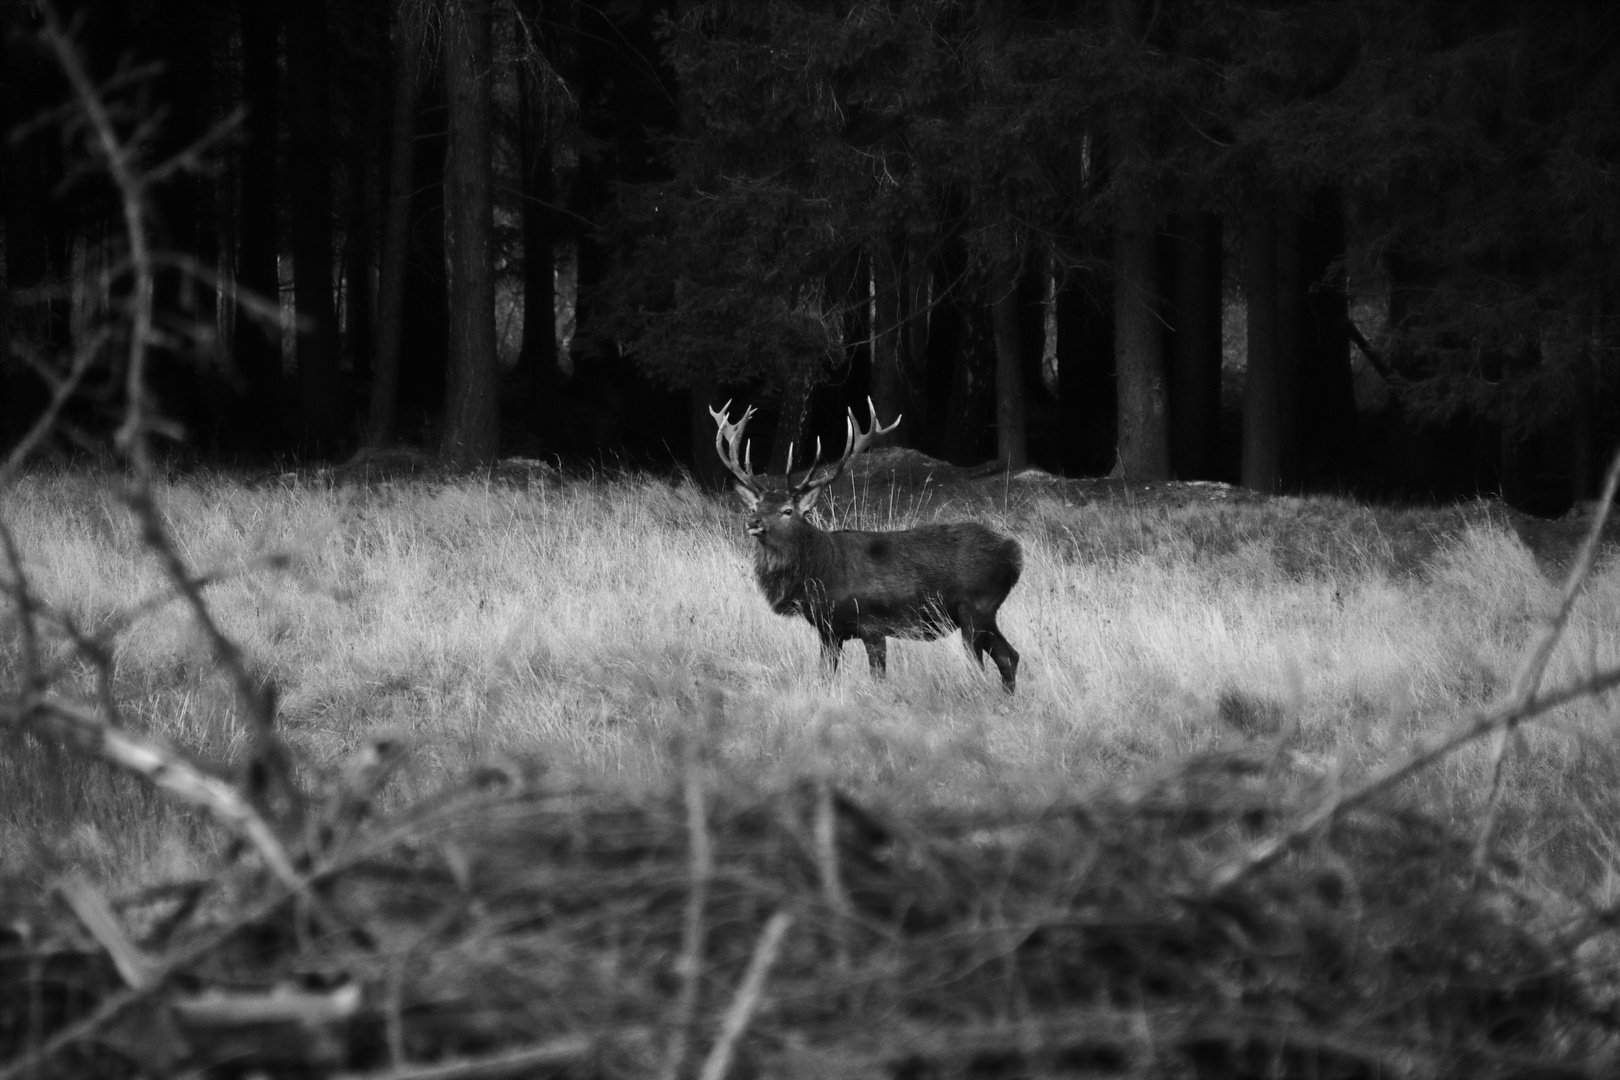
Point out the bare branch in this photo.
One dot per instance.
(90, 904)
(1535, 661)
(166, 768)
(61, 393)
(122, 167)
(1524, 702)
(749, 995)
(1478, 725)
(694, 932)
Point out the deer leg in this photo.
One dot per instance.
(981, 634)
(1002, 652)
(965, 618)
(831, 646)
(877, 653)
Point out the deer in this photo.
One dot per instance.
(851, 583)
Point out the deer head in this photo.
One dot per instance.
(773, 508)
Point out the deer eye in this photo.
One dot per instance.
(787, 511)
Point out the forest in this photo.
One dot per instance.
(1361, 246)
(384, 689)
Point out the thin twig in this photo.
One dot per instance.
(693, 933)
(63, 390)
(1479, 724)
(749, 995)
(115, 1006)
(111, 625)
(254, 698)
(1524, 702)
(567, 1050)
(90, 904)
(832, 885)
(121, 164)
(33, 678)
(1535, 662)
(167, 769)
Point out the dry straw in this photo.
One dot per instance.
(1226, 916)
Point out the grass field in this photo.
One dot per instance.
(583, 627)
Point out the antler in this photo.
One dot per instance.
(726, 437)
(855, 444)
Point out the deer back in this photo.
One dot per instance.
(895, 581)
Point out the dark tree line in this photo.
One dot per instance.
(1362, 245)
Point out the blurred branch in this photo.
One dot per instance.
(700, 866)
(1524, 702)
(1530, 674)
(122, 165)
(749, 995)
(167, 769)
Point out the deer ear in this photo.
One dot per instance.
(807, 500)
(749, 497)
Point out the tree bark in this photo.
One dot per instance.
(890, 382)
(917, 295)
(972, 384)
(257, 340)
(405, 54)
(309, 155)
(1326, 380)
(1291, 466)
(1144, 442)
(1086, 387)
(1194, 243)
(1012, 435)
(788, 449)
(1261, 427)
(538, 356)
(472, 418)
(358, 292)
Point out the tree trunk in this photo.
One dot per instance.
(1144, 444)
(1262, 443)
(891, 392)
(917, 295)
(1291, 466)
(788, 449)
(1012, 437)
(1086, 387)
(538, 357)
(1326, 381)
(404, 53)
(972, 385)
(358, 294)
(1144, 441)
(1194, 242)
(257, 339)
(472, 418)
(309, 157)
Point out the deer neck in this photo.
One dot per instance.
(784, 561)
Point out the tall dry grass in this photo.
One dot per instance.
(573, 626)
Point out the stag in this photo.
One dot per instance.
(849, 583)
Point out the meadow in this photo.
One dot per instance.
(584, 627)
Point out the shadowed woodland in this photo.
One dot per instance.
(1364, 246)
(511, 770)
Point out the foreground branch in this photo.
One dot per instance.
(1524, 702)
